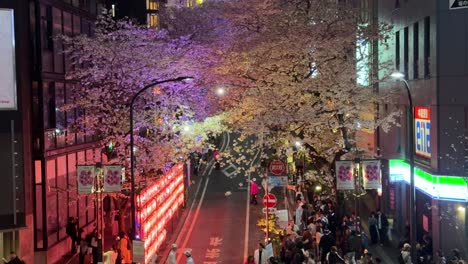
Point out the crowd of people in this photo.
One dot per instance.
(87, 245)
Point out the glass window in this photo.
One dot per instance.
(70, 115)
(47, 27)
(81, 158)
(82, 210)
(153, 20)
(39, 223)
(49, 104)
(51, 206)
(58, 54)
(76, 25)
(72, 185)
(416, 51)
(60, 121)
(152, 5)
(405, 51)
(427, 48)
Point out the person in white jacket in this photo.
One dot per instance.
(171, 259)
(406, 253)
(261, 255)
(188, 254)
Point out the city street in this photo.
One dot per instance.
(215, 229)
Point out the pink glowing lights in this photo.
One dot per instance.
(157, 205)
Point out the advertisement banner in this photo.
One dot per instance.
(7, 61)
(345, 175)
(371, 174)
(112, 178)
(86, 177)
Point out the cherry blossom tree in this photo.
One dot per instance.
(294, 70)
(112, 65)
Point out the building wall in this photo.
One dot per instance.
(429, 44)
(57, 148)
(452, 48)
(15, 155)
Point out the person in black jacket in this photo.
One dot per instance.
(326, 243)
(72, 232)
(333, 257)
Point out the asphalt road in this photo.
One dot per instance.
(220, 228)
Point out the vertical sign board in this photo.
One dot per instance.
(7, 61)
(458, 4)
(422, 128)
(344, 175)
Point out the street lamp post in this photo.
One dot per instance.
(132, 143)
(413, 226)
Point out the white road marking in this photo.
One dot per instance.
(247, 214)
(208, 168)
(192, 224)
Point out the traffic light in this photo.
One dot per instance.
(109, 151)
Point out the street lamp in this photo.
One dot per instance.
(132, 147)
(220, 91)
(413, 235)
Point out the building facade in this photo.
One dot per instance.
(429, 45)
(46, 151)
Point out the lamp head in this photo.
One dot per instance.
(397, 75)
(220, 91)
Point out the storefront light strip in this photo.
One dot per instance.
(437, 186)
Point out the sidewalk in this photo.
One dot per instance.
(387, 253)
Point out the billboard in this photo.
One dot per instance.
(7, 61)
(422, 128)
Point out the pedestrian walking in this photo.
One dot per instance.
(373, 228)
(354, 247)
(125, 247)
(440, 258)
(72, 232)
(333, 257)
(327, 241)
(171, 259)
(110, 256)
(83, 246)
(382, 223)
(260, 255)
(188, 254)
(253, 192)
(405, 254)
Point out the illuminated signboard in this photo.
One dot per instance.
(422, 125)
(440, 187)
(157, 205)
(7, 61)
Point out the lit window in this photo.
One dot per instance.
(189, 3)
(153, 20)
(151, 5)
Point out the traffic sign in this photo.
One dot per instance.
(277, 181)
(270, 210)
(458, 4)
(277, 167)
(269, 200)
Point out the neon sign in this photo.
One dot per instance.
(440, 187)
(422, 125)
(157, 205)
